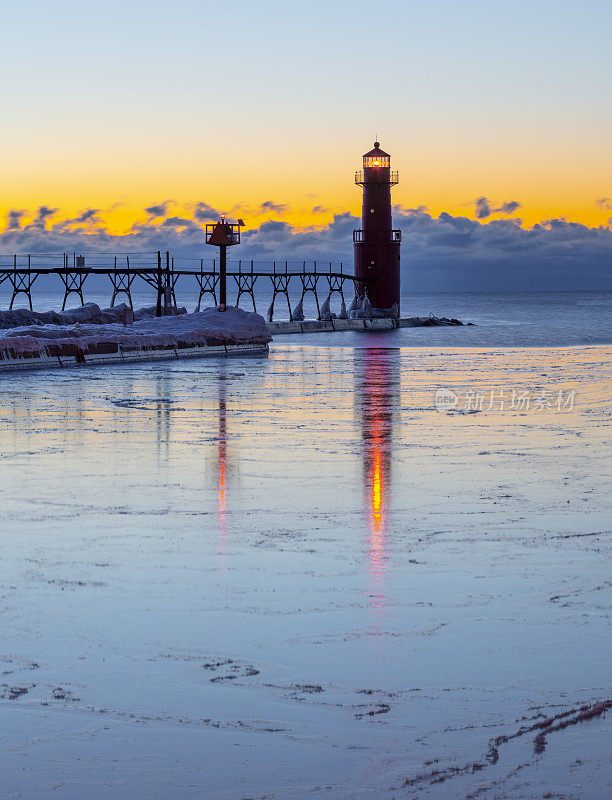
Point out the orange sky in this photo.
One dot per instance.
(140, 102)
(549, 179)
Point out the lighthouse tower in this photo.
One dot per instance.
(377, 245)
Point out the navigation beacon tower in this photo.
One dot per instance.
(377, 245)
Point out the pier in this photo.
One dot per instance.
(283, 280)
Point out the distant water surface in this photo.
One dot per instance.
(501, 319)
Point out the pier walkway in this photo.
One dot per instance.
(163, 271)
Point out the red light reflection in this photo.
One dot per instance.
(222, 466)
(376, 382)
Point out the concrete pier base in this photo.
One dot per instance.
(375, 324)
(122, 356)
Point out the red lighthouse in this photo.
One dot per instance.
(377, 245)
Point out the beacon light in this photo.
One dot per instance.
(222, 234)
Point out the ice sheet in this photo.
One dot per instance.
(295, 578)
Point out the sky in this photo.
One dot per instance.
(136, 120)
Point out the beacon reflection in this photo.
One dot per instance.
(222, 459)
(224, 468)
(377, 396)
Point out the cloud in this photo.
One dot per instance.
(13, 218)
(179, 222)
(604, 203)
(88, 215)
(484, 207)
(509, 207)
(279, 240)
(444, 253)
(42, 215)
(277, 208)
(456, 253)
(204, 212)
(158, 210)
(320, 210)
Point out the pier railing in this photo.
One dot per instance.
(163, 271)
(362, 178)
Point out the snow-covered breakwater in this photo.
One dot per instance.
(90, 312)
(359, 323)
(208, 332)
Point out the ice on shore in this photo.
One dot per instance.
(233, 326)
(363, 309)
(90, 312)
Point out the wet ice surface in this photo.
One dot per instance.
(293, 577)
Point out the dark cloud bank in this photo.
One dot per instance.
(438, 254)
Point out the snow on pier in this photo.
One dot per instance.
(206, 332)
(30, 339)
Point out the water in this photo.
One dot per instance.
(294, 577)
(501, 319)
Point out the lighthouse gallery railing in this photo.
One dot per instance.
(376, 237)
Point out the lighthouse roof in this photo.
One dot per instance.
(376, 152)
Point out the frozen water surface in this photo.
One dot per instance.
(294, 577)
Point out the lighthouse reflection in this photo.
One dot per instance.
(377, 391)
(222, 460)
